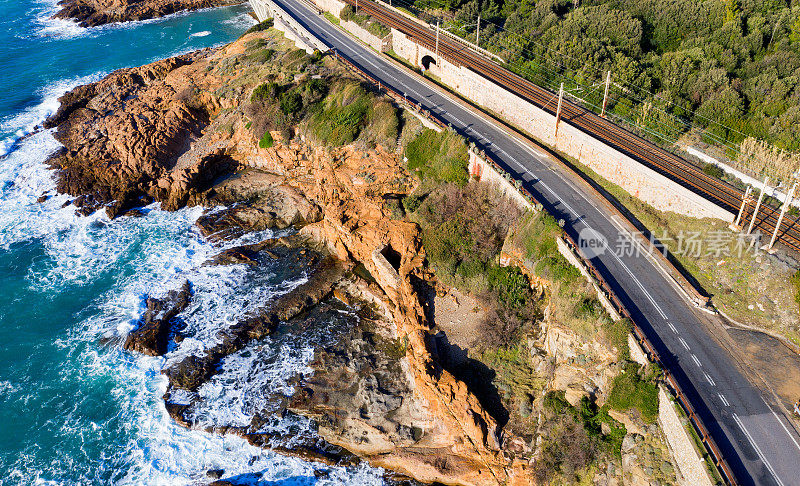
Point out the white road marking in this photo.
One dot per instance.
(758, 451)
(671, 326)
(723, 399)
(696, 361)
(710, 381)
(684, 344)
(782, 424)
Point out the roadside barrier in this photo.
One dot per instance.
(672, 384)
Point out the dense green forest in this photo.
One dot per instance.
(728, 69)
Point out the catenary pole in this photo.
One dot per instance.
(786, 204)
(437, 42)
(605, 95)
(758, 204)
(558, 109)
(745, 199)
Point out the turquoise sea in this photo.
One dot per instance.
(74, 407)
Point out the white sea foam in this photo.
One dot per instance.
(248, 380)
(30, 119)
(150, 256)
(67, 28)
(200, 34)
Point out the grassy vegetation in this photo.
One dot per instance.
(259, 27)
(332, 112)
(633, 390)
(439, 157)
(331, 18)
(369, 23)
(465, 225)
(340, 116)
(266, 141)
(616, 335)
(516, 380)
(795, 280)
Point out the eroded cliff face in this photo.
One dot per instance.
(181, 131)
(91, 13)
(175, 131)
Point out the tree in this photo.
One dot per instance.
(794, 35)
(732, 10)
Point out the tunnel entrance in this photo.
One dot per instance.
(392, 256)
(427, 61)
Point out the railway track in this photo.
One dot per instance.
(647, 153)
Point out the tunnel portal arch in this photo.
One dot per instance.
(426, 62)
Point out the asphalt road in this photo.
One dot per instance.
(759, 444)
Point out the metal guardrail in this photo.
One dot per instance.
(672, 384)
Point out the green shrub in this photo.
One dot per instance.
(347, 13)
(264, 25)
(291, 102)
(629, 391)
(713, 170)
(265, 92)
(511, 286)
(341, 115)
(377, 29)
(411, 203)
(266, 141)
(261, 55)
(440, 157)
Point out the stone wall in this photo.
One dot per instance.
(333, 6)
(375, 42)
(484, 172)
(640, 181)
(689, 462)
(284, 22)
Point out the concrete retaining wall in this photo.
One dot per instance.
(691, 466)
(333, 6)
(484, 172)
(642, 182)
(375, 42)
(284, 22)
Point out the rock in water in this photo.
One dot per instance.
(215, 473)
(152, 335)
(91, 13)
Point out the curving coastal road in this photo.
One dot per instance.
(760, 444)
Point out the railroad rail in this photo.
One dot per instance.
(672, 384)
(656, 158)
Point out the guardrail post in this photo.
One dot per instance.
(758, 204)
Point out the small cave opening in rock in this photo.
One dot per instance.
(427, 61)
(392, 256)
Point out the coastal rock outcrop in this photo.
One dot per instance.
(180, 132)
(152, 335)
(91, 13)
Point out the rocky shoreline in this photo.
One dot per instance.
(190, 130)
(91, 13)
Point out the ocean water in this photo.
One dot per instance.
(74, 407)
